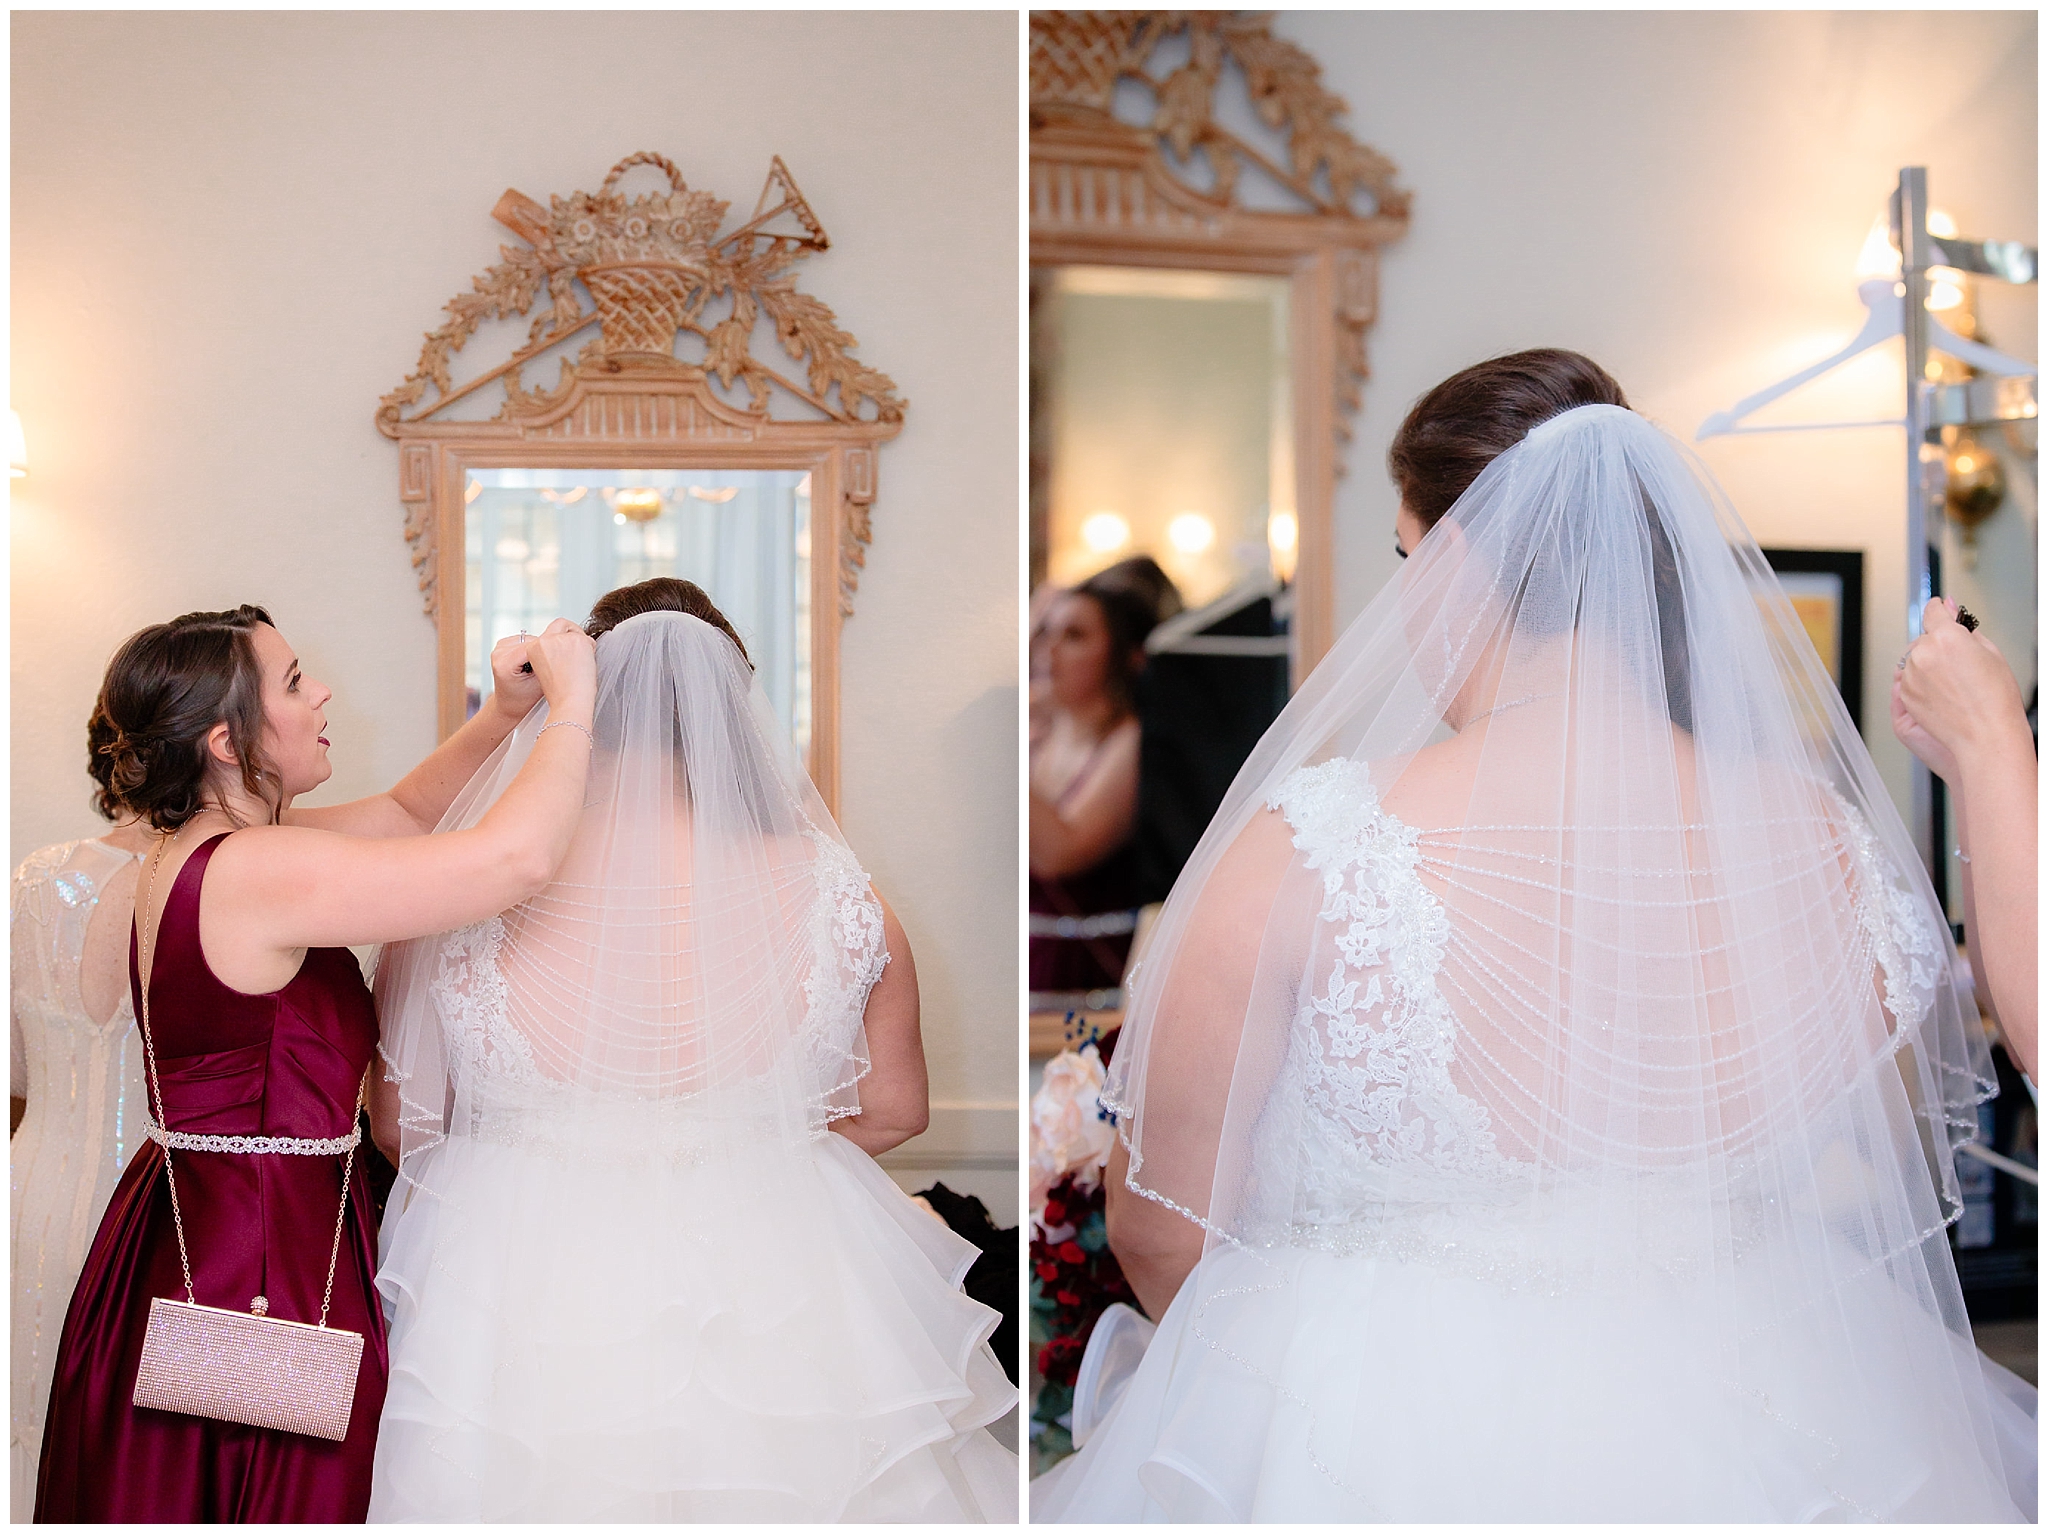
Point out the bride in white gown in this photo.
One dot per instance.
(631, 1273)
(1539, 1095)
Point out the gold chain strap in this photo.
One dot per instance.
(146, 963)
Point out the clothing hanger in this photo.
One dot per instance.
(1886, 318)
(1182, 634)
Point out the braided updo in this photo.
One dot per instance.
(164, 691)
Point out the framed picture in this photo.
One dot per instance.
(1825, 587)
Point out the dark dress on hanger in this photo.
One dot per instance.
(1083, 959)
(284, 1064)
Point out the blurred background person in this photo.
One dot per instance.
(1084, 775)
(75, 1086)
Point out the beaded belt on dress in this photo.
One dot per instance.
(253, 1145)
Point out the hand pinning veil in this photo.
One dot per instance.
(1560, 944)
(700, 964)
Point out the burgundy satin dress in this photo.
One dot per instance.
(284, 1064)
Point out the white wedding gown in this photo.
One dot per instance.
(664, 1311)
(1448, 1369)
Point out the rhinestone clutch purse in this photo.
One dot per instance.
(243, 1366)
(240, 1367)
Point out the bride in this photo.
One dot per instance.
(1539, 1098)
(631, 1272)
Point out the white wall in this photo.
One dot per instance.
(1683, 197)
(230, 231)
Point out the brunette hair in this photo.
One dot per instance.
(165, 690)
(660, 594)
(1133, 596)
(1471, 418)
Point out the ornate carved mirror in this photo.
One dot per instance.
(666, 446)
(1199, 302)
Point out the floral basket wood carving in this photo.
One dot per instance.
(671, 304)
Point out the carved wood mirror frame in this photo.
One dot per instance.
(1104, 192)
(645, 272)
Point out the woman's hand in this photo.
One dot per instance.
(1938, 758)
(564, 661)
(514, 686)
(1955, 698)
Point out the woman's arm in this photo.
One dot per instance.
(1067, 840)
(895, 1097)
(383, 1104)
(1193, 1066)
(274, 890)
(1956, 705)
(415, 805)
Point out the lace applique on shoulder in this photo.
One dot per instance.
(471, 996)
(848, 955)
(1375, 1038)
(1895, 920)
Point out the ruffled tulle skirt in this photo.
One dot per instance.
(1302, 1386)
(779, 1337)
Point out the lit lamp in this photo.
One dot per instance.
(1283, 537)
(1105, 532)
(1946, 287)
(17, 447)
(638, 505)
(1191, 532)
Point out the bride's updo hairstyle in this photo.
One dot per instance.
(1471, 418)
(164, 691)
(660, 594)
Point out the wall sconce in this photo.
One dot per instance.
(1947, 288)
(1975, 488)
(1191, 532)
(17, 447)
(1105, 532)
(1283, 537)
(635, 505)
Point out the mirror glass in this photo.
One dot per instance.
(547, 543)
(1166, 426)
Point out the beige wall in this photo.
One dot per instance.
(230, 231)
(1683, 197)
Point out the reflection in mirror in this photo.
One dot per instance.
(1167, 425)
(547, 543)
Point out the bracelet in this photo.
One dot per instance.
(566, 724)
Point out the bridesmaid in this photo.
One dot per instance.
(207, 729)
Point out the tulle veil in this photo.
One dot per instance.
(695, 975)
(1561, 935)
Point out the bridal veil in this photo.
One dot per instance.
(697, 972)
(1561, 940)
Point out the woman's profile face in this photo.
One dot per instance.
(1408, 530)
(294, 715)
(1078, 651)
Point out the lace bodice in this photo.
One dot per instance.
(1389, 1135)
(83, 1084)
(512, 1096)
(1375, 1039)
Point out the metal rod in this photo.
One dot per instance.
(2006, 1164)
(1909, 220)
